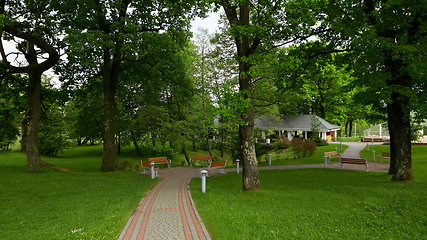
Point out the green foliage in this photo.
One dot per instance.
(9, 121)
(53, 132)
(319, 141)
(12, 104)
(84, 113)
(316, 81)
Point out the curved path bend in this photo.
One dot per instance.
(167, 210)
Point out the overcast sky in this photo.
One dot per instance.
(210, 23)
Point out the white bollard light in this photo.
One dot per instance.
(153, 174)
(340, 145)
(204, 172)
(237, 163)
(367, 146)
(336, 149)
(373, 156)
(326, 161)
(372, 139)
(269, 159)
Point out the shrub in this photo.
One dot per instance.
(319, 142)
(309, 148)
(125, 164)
(302, 148)
(165, 150)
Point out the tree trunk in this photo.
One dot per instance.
(153, 141)
(250, 176)
(31, 123)
(184, 150)
(390, 121)
(184, 146)
(207, 129)
(350, 131)
(110, 78)
(346, 129)
(223, 138)
(402, 171)
(135, 143)
(119, 146)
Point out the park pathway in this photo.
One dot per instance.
(353, 151)
(167, 210)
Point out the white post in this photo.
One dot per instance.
(373, 155)
(153, 174)
(237, 163)
(336, 149)
(204, 172)
(354, 128)
(381, 132)
(340, 145)
(269, 159)
(372, 139)
(367, 146)
(325, 158)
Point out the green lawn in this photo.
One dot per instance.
(317, 204)
(61, 205)
(348, 139)
(286, 158)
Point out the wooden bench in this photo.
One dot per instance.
(204, 160)
(354, 161)
(385, 155)
(160, 160)
(330, 155)
(147, 167)
(218, 164)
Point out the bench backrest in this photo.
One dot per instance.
(353, 160)
(202, 158)
(218, 164)
(145, 164)
(158, 160)
(386, 155)
(333, 153)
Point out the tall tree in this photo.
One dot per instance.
(257, 26)
(318, 79)
(388, 39)
(201, 76)
(35, 30)
(104, 33)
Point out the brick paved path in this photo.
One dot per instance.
(167, 212)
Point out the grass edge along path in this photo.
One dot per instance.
(62, 205)
(316, 204)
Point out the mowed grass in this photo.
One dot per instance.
(287, 157)
(317, 204)
(61, 205)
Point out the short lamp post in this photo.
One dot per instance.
(269, 159)
(325, 158)
(204, 172)
(152, 170)
(237, 164)
(373, 156)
